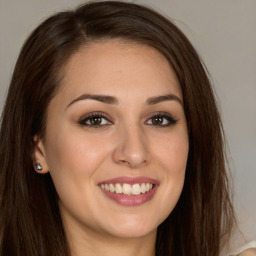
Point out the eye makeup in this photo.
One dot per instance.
(100, 119)
(161, 120)
(95, 120)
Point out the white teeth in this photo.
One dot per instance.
(127, 189)
(135, 189)
(118, 188)
(111, 188)
(143, 188)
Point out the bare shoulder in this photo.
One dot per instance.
(248, 252)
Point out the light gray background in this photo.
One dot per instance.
(224, 33)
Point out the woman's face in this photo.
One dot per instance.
(116, 140)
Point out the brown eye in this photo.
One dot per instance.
(161, 120)
(157, 120)
(95, 121)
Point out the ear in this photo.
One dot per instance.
(39, 157)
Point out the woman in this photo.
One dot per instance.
(111, 141)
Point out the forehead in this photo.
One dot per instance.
(117, 66)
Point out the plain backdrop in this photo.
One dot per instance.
(223, 32)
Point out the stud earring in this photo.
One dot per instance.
(38, 167)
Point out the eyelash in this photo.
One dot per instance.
(96, 115)
(159, 116)
(165, 117)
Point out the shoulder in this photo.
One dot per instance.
(248, 252)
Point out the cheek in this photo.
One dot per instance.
(73, 150)
(72, 157)
(172, 153)
(172, 158)
(73, 161)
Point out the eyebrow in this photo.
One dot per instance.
(102, 98)
(113, 100)
(158, 99)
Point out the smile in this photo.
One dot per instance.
(129, 191)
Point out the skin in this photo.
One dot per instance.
(127, 143)
(249, 252)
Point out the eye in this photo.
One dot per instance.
(95, 120)
(161, 120)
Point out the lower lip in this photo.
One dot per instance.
(131, 200)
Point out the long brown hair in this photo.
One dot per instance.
(30, 222)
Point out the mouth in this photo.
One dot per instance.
(129, 191)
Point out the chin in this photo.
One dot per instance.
(132, 227)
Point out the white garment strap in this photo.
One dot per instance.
(250, 245)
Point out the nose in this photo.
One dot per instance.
(131, 148)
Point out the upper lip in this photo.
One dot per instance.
(130, 180)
